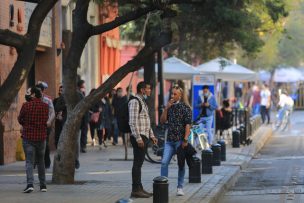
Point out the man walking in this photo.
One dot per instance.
(207, 104)
(34, 117)
(265, 103)
(179, 116)
(141, 131)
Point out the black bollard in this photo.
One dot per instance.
(207, 159)
(160, 190)
(243, 134)
(195, 171)
(236, 139)
(223, 149)
(216, 149)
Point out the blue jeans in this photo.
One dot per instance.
(255, 109)
(206, 124)
(32, 149)
(169, 151)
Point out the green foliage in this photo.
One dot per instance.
(218, 27)
(285, 45)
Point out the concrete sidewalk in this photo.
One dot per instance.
(100, 179)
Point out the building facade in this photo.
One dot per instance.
(14, 15)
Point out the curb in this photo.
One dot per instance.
(259, 139)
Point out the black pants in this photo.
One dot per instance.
(84, 136)
(58, 129)
(139, 157)
(47, 159)
(264, 114)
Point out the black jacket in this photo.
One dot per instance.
(185, 154)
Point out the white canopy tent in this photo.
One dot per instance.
(290, 74)
(226, 70)
(264, 75)
(175, 69)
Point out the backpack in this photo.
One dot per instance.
(123, 115)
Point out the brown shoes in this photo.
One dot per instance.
(147, 193)
(139, 194)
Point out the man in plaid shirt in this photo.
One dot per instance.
(33, 117)
(140, 125)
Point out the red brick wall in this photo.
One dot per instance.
(48, 68)
(11, 127)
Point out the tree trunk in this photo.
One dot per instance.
(64, 159)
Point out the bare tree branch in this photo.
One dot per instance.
(10, 38)
(26, 54)
(96, 30)
(137, 62)
(38, 16)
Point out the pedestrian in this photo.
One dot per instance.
(178, 115)
(95, 120)
(105, 120)
(47, 99)
(60, 113)
(85, 120)
(255, 100)
(117, 103)
(141, 131)
(33, 117)
(265, 103)
(207, 103)
(114, 126)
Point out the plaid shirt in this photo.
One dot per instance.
(139, 121)
(33, 118)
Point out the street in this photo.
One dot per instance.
(276, 174)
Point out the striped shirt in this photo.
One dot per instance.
(139, 121)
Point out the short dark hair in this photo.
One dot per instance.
(36, 91)
(80, 83)
(226, 103)
(140, 85)
(118, 89)
(205, 87)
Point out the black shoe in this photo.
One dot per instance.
(77, 164)
(43, 188)
(29, 188)
(113, 143)
(139, 194)
(83, 150)
(104, 144)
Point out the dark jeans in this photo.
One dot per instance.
(265, 113)
(139, 157)
(47, 159)
(34, 149)
(84, 136)
(58, 129)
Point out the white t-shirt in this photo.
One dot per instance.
(265, 97)
(286, 100)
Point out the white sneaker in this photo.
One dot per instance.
(180, 192)
(93, 142)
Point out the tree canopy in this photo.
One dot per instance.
(211, 28)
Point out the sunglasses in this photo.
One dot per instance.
(178, 88)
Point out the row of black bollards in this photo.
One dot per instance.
(210, 157)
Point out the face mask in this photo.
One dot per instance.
(145, 96)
